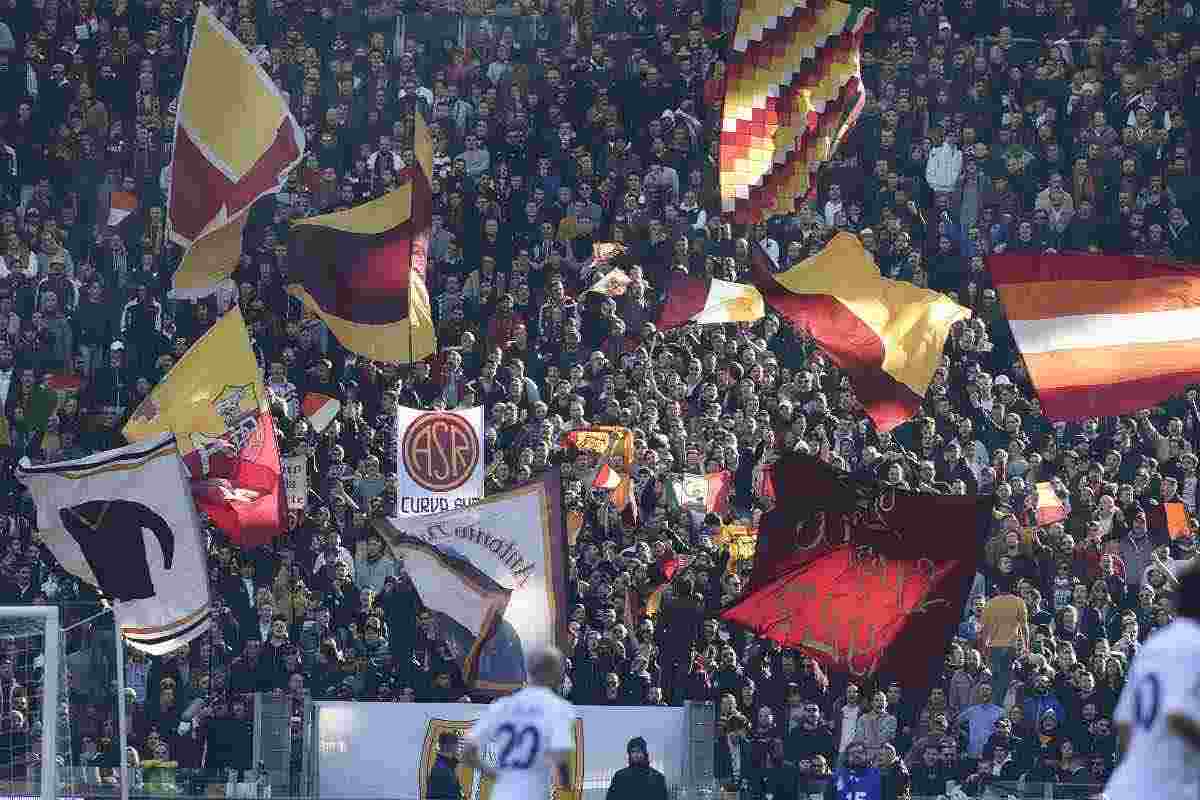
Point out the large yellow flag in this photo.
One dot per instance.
(236, 140)
(363, 270)
(217, 380)
(214, 402)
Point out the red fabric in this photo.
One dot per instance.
(850, 343)
(720, 487)
(876, 589)
(685, 299)
(209, 189)
(242, 491)
(1037, 267)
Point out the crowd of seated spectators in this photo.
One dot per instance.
(991, 126)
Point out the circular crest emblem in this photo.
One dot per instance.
(440, 451)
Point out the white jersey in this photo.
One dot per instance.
(1162, 680)
(516, 733)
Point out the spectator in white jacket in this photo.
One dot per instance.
(944, 166)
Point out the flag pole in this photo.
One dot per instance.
(123, 729)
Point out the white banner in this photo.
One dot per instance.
(385, 750)
(508, 543)
(124, 522)
(295, 480)
(440, 458)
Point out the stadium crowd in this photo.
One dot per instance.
(990, 127)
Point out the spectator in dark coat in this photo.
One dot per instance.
(639, 779)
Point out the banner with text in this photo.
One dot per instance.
(295, 480)
(492, 574)
(355, 761)
(440, 458)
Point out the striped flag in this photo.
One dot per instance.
(362, 270)
(886, 335)
(689, 300)
(1101, 335)
(235, 142)
(793, 90)
(320, 410)
(1050, 507)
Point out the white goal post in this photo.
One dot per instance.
(42, 621)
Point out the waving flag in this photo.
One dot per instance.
(700, 493)
(850, 572)
(362, 270)
(613, 448)
(235, 141)
(1050, 507)
(121, 521)
(121, 207)
(614, 283)
(320, 410)
(1101, 335)
(213, 399)
(718, 302)
(792, 91)
(886, 335)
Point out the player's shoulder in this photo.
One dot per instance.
(1175, 647)
(1182, 633)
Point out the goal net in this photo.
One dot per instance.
(35, 735)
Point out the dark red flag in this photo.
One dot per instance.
(863, 577)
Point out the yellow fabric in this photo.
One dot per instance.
(755, 16)
(748, 92)
(423, 145)
(404, 342)
(211, 259)
(371, 218)
(228, 103)
(217, 366)
(741, 541)
(778, 140)
(802, 172)
(731, 302)
(912, 322)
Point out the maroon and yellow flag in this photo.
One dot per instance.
(362, 270)
(235, 141)
(793, 89)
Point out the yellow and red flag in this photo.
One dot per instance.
(235, 142)
(214, 402)
(1101, 335)
(362, 270)
(793, 89)
(886, 335)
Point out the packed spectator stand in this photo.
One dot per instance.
(990, 127)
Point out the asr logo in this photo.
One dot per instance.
(479, 787)
(440, 451)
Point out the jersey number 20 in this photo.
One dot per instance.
(518, 748)
(1146, 697)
